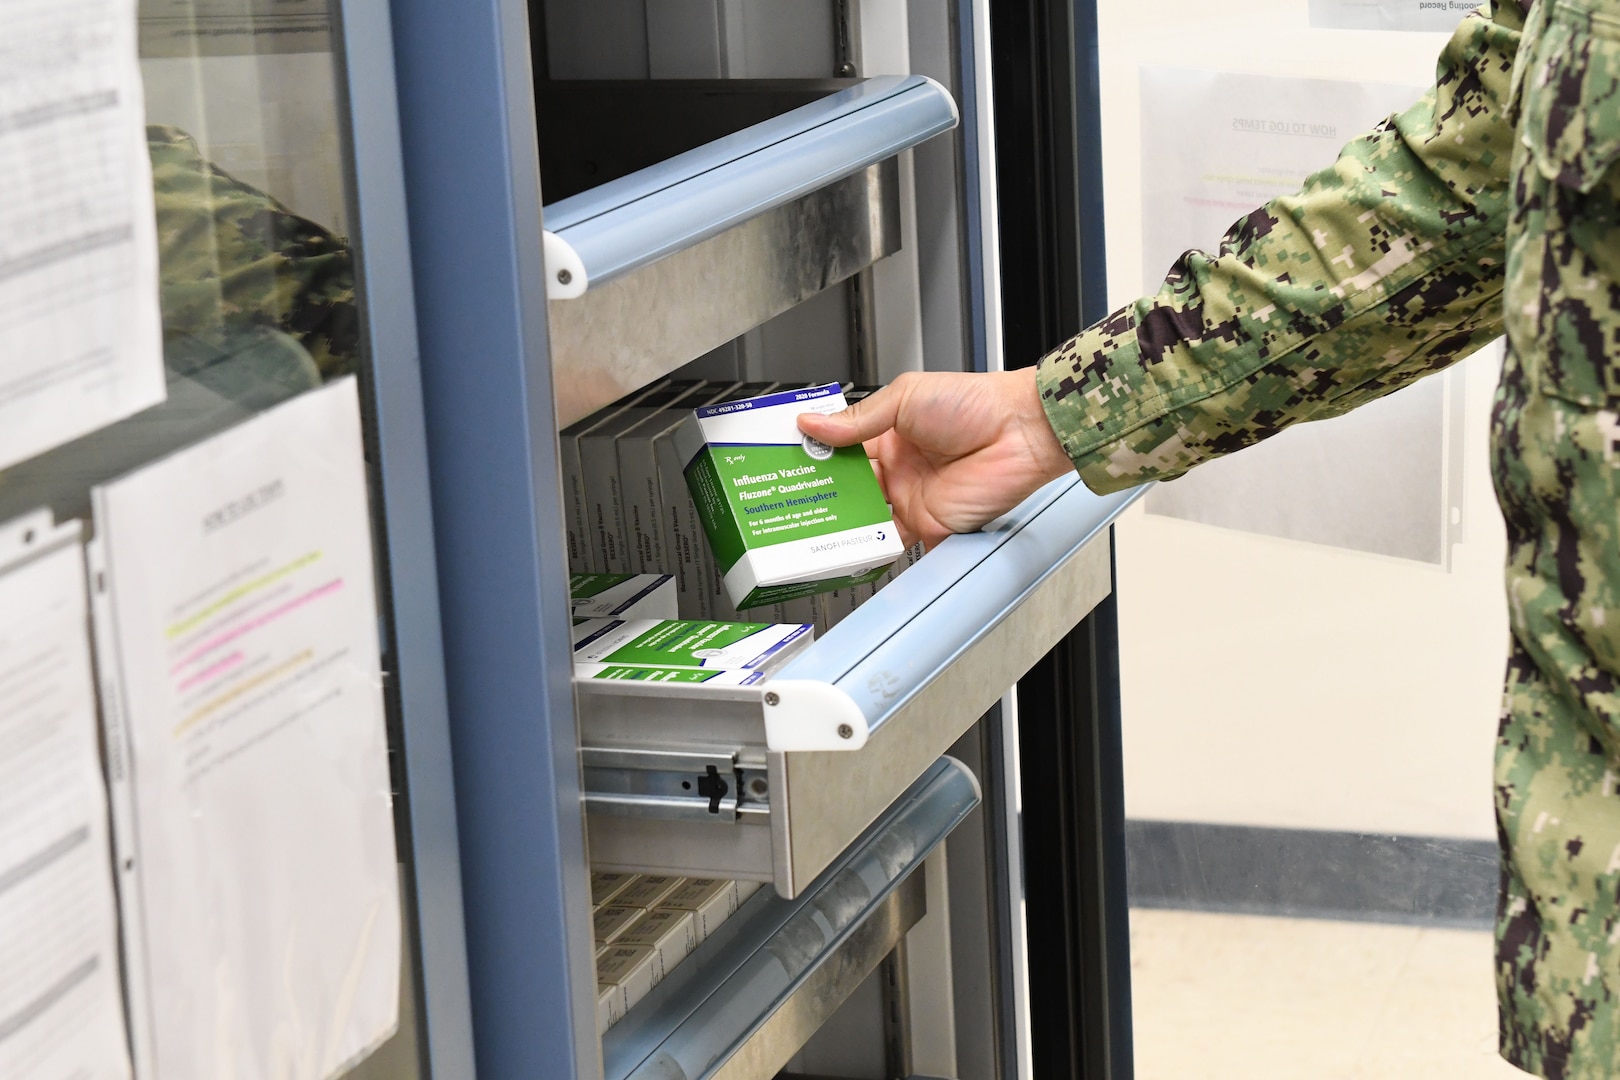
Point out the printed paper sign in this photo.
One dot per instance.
(1442, 15)
(239, 622)
(80, 330)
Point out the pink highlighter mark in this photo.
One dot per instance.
(248, 627)
(211, 670)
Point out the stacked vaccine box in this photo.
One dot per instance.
(697, 645)
(622, 596)
(630, 510)
(645, 924)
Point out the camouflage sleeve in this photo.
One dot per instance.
(1385, 267)
(232, 260)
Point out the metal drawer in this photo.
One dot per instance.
(773, 782)
(652, 269)
(742, 1005)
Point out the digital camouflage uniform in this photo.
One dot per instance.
(1490, 205)
(253, 295)
(258, 306)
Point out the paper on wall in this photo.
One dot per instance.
(61, 1009)
(1434, 15)
(239, 620)
(80, 328)
(1215, 145)
(1385, 479)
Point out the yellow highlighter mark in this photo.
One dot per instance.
(240, 591)
(214, 705)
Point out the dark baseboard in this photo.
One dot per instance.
(1310, 873)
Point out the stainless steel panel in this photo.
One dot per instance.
(830, 797)
(751, 995)
(790, 1027)
(920, 663)
(628, 332)
(622, 225)
(740, 851)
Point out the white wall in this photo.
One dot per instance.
(1276, 682)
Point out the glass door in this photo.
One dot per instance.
(201, 412)
(1312, 631)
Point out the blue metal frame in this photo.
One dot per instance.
(443, 1013)
(473, 185)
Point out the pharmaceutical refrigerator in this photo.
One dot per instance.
(602, 196)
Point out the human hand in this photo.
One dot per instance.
(953, 450)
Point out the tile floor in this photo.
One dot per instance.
(1239, 997)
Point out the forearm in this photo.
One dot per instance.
(1383, 268)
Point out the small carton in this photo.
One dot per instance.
(638, 485)
(609, 1007)
(649, 891)
(610, 921)
(803, 609)
(677, 644)
(836, 605)
(786, 516)
(697, 579)
(604, 885)
(706, 676)
(710, 900)
(599, 461)
(633, 970)
(582, 548)
(622, 596)
(669, 931)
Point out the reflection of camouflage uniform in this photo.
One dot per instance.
(1493, 196)
(239, 271)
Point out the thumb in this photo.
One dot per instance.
(866, 419)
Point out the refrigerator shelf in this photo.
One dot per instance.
(773, 781)
(652, 269)
(745, 1002)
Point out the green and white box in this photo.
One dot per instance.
(699, 587)
(622, 596)
(786, 516)
(673, 643)
(706, 676)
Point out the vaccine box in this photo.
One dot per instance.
(786, 516)
(710, 900)
(622, 596)
(673, 643)
(582, 549)
(633, 970)
(707, 676)
(605, 885)
(599, 462)
(670, 933)
(702, 592)
(611, 920)
(641, 500)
